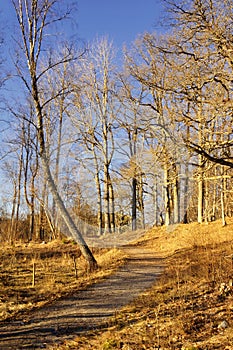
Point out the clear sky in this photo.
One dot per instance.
(120, 20)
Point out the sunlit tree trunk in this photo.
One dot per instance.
(99, 193)
(200, 189)
(186, 194)
(133, 153)
(141, 200)
(107, 157)
(12, 227)
(19, 190)
(223, 191)
(112, 207)
(167, 199)
(176, 201)
(156, 201)
(134, 204)
(200, 178)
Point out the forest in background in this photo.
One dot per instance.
(143, 140)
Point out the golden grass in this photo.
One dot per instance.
(167, 240)
(188, 308)
(55, 273)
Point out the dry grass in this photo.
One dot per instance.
(59, 270)
(191, 306)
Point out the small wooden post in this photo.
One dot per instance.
(33, 273)
(75, 267)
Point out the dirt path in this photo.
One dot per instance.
(84, 310)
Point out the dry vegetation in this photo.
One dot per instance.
(58, 268)
(190, 307)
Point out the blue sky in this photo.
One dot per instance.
(120, 20)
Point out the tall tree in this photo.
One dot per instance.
(96, 107)
(203, 37)
(35, 18)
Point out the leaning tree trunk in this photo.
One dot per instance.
(75, 233)
(92, 264)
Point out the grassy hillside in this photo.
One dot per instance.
(190, 307)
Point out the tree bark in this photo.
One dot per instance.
(112, 207)
(167, 196)
(200, 200)
(223, 189)
(134, 204)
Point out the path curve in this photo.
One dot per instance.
(84, 310)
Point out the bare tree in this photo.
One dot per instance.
(203, 37)
(201, 47)
(95, 104)
(150, 70)
(131, 128)
(34, 19)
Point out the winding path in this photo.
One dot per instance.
(84, 310)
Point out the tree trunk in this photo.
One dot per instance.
(167, 196)
(99, 194)
(19, 180)
(155, 200)
(141, 200)
(176, 201)
(200, 200)
(99, 205)
(112, 207)
(107, 225)
(11, 233)
(186, 190)
(32, 215)
(134, 204)
(223, 189)
(58, 153)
